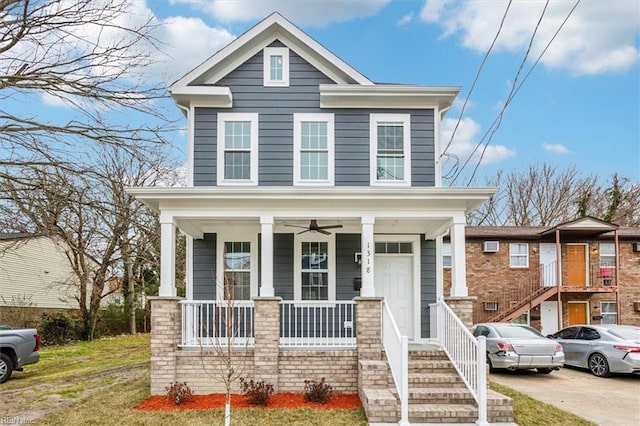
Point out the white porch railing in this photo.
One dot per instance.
(215, 323)
(467, 354)
(306, 324)
(396, 347)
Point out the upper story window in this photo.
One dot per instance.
(313, 142)
(446, 255)
(607, 255)
(519, 255)
(390, 139)
(237, 148)
(276, 66)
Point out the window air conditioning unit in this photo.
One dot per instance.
(491, 246)
(490, 306)
(636, 306)
(636, 246)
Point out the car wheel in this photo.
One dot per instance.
(491, 368)
(6, 367)
(544, 370)
(598, 365)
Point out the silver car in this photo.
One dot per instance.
(519, 347)
(603, 349)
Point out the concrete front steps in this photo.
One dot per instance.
(437, 394)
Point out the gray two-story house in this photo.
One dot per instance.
(314, 204)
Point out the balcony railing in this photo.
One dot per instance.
(318, 324)
(216, 323)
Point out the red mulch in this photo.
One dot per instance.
(278, 400)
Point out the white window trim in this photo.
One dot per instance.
(267, 54)
(603, 313)
(297, 268)
(447, 252)
(405, 119)
(611, 256)
(511, 265)
(253, 173)
(297, 146)
(236, 235)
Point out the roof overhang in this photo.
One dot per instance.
(387, 96)
(585, 225)
(213, 96)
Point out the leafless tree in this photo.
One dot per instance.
(545, 195)
(88, 55)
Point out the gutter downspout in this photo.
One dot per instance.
(617, 281)
(559, 276)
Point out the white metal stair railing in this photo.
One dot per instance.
(467, 354)
(217, 323)
(396, 347)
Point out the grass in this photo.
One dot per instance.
(531, 412)
(81, 384)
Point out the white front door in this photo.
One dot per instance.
(548, 264)
(394, 281)
(548, 317)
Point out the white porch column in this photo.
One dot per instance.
(368, 251)
(167, 257)
(266, 265)
(458, 259)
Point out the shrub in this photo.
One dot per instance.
(57, 329)
(317, 391)
(257, 393)
(178, 393)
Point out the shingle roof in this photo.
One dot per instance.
(16, 235)
(534, 232)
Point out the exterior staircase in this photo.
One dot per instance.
(513, 311)
(437, 394)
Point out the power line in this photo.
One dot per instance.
(475, 80)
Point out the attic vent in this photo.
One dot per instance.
(491, 246)
(490, 306)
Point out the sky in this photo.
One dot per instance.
(576, 102)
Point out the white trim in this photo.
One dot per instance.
(191, 119)
(237, 234)
(518, 255)
(374, 120)
(268, 52)
(214, 96)
(388, 96)
(253, 174)
(297, 257)
(417, 280)
(297, 146)
(188, 273)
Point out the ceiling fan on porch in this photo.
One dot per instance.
(314, 227)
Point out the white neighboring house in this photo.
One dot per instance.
(35, 272)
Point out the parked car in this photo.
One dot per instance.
(519, 347)
(603, 349)
(18, 347)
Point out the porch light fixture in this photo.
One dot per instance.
(357, 258)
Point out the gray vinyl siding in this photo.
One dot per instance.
(346, 269)
(283, 265)
(204, 268)
(276, 106)
(428, 282)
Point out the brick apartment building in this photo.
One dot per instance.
(513, 272)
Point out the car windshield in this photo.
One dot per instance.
(631, 333)
(517, 331)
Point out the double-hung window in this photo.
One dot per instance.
(237, 270)
(609, 312)
(315, 270)
(237, 149)
(607, 255)
(519, 255)
(390, 140)
(313, 148)
(446, 255)
(276, 66)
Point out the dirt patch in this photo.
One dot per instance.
(278, 400)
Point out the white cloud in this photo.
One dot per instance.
(599, 37)
(466, 140)
(406, 19)
(555, 148)
(303, 12)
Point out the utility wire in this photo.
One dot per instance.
(475, 80)
(498, 120)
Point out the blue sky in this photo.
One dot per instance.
(579, 107)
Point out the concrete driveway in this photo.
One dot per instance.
(611, 401)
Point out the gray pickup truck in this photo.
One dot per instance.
(18, 347)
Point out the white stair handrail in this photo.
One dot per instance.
(396, 347)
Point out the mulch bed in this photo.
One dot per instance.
(278, 400)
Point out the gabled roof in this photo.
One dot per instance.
(275, 26)
(583, 224)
